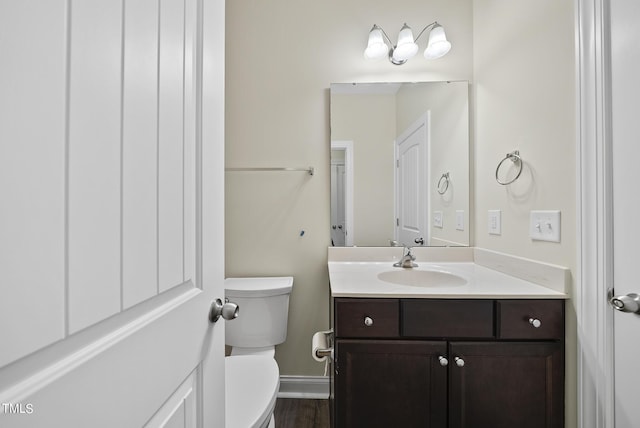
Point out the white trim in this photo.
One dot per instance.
(439, 242)
(594, 258)
(210, 131)
(347, 146)
(309, 387)
(396, 211)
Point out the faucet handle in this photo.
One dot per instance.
(407, 259)
(411, 256)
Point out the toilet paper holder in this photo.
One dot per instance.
(322, 345)
(320, 353)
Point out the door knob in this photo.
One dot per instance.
(629, 303)
(227, 311)
(419, 241)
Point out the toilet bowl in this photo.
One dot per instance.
(252, 374)
(251, 389)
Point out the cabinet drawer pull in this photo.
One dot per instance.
(368, 321)
(459, 361)
(535, 322)
(443, 361)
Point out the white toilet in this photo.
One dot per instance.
(252, 375)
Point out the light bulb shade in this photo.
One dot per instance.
(406, 47)
(438, 44)
(376, 48)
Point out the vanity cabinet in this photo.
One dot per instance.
(472, 363)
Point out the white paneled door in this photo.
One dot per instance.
(625, 64)
(411, 184)
(111, 218)
(338, 228)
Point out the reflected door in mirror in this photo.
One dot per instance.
(411, 184)
(337, 201)
(342, 193)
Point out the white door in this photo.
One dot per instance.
(625, 63)
(411, 185)
(342, 225)
(111, 219)
(337, 204)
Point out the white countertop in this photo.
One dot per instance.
(360, 279)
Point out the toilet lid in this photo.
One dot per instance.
(251, 385)
(258, 286)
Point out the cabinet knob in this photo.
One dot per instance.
(368, 321)
(443, 361)
(459, 361)
(535, 322)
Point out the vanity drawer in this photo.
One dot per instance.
(367, 318)
(517, 319)
(447, 318)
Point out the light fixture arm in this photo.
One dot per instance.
(433, 24)
(377, 27)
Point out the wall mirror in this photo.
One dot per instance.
(400, 164)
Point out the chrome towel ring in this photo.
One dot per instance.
(443, 183)
(514, 157)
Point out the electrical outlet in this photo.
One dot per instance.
(437, 219)
(545, 226)
(495, 227)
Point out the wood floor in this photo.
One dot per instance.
(295, 413)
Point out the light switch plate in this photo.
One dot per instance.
(459, 220)
(437, 219)
(495, 227)
(545, 226)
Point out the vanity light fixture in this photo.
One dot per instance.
(406, 47)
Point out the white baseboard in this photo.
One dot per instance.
(311, 387)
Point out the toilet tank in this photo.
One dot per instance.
(264, 311)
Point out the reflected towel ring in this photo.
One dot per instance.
(445, 178)
(514, 157)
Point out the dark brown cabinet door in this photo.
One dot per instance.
(390, 384)
(506, 385)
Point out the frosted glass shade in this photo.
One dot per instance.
(376, 48)
(438, 44)
(406, 47)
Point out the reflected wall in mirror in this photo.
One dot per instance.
(400, 164)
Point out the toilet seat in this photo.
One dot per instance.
(251, 385)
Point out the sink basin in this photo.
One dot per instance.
(421, 278)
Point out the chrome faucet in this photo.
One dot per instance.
(407, 260)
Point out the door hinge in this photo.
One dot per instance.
(397, 222)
